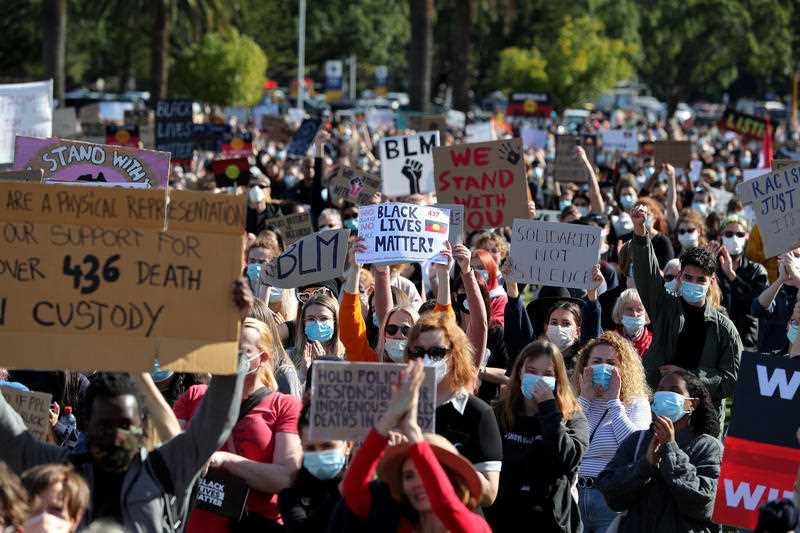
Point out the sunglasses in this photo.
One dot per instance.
(392, 329)
(683, 231)
(305, 296)
(434, 353)
(730, 234)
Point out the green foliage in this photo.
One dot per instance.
(579, 65)
(226, 69)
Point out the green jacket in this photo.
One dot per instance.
(722, 349)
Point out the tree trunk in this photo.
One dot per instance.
(160, 52)
(461, 39)
(54, 43)
(420, 54)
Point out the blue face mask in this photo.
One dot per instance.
(538, 172)
(791, 333)
(601, 375)
(693, 293)
(324, 195)
(669, 404)
(350, 223)
(627, 201)
(700, 208)
(325, 464)
(529, 381)
(669, 286)
(319, 331)
(648, 171)
(254, 273)
(483, 273)
(563, 204)
(633, 324)
(290, 180)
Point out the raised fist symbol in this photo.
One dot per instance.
(508, 153)
(412, 170)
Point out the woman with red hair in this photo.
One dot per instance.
(487, 272)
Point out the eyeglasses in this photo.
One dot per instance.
(434, 353)
(305, 296)
(730, 234)
(392, 329)
(686, 230)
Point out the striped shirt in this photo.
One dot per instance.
(620, 420)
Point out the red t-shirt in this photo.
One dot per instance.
(252, 438)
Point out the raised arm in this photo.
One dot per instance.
(319, 169)
(160, 413)
(598, 205)
(672, 195)
(352, 330)
(382, 300)
(478, 328)
(649, 281)
(18, 448)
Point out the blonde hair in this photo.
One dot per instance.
(497, 239)
(265, 343)
(461, 371)
(333, 346)
(627, 296)
(512, 401)
(278, 356)
(631, 371)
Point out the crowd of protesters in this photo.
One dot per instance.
(557, 409)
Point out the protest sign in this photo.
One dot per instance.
(456, 119)
(303, 137)
(776, 201)
(317, 257)
(82, 163)
(92, 280)
(743, 124)
(35, 176)
(353, 186)
(533, 137)
(33, 408)
(721, 198)
(140, 117)
(231, 172)
(114, 111)
(275, 129)
(480, 132)
(401, 233)
(568, 167)
(174, 129)
(334, 83)
(25, 109)
(239, 143)
(675, 153)
(624, 140)
(210, 136)
(488, 179)
(529, 105)
(554, 253)
(348, 399)
(456, 233)
(380, 119)
(240, 115)
(422, 122)
(127, 135)
(65, 123)
(407, 163)
(761, 459)
(292, 227)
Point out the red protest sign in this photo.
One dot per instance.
(487, 178)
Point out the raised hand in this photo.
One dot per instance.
(614, 388)
(242, 296)
(541, 392)
(585, 381)
(462, 256)
(664, 428)
(412, 170)
(638, 215)
(447, 253)
(404, 395)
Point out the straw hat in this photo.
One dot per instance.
(390, 469)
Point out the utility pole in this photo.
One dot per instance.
(353, 78)
(301, 54)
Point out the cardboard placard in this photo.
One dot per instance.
(275, 129)
(675, 153)
(743, 124)
(554, 253)
(402, 233)
(348, 399)
(488, 179)
(380, 119)
(317, 257)
(456, 232)
(33, 407)
(127, 135)
(760, 460)
(303, 137)
(231, 172)
(92, 164)
(624, 140)
(533, 137)
(420, 123)
(92, 281)
(352, 185)
(33, 176)
(25, 109)
(174, 128)
(567, 166)
(480, 132)
(65, 123)
(776, 201)
(292, 227)
(407, 163)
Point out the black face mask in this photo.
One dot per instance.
(114, 450)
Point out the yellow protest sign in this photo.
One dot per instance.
(90, 278)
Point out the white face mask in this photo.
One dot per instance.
(47, 523)
(395, 349)
(253, 362)
(256, 196)
(561, 336)
(735, 245)
(688, 240)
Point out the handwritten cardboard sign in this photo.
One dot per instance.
(676, 153)
(488, 179)
(352, 185)
(35, 176)
(348, 399)
(303, 137)
(776, 201)
(33, 407)
(567, 166)
(174, 128)
(25, 109)
(554, 253)
(434, 122)
(402, 233)
(624, 140)
(65, 123)
(65, 161)
(318, 257)
(292, 227)
(91, 280)
(456, 234)
(480, 132)
(407, 163)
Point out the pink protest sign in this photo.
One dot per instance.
(81, 163)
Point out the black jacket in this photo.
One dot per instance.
(308, 505)
(737, 296)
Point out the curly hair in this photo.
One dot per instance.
(13, 499)
(461, 372)
(495, 238)
(631, 371)
(111, 385)
(704, 417)
(701, 258)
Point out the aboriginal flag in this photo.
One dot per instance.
(435, 227)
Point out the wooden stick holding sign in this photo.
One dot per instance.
(318, 257)
(33, 407)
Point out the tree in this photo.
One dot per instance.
(226, 69)
(420, 54)
(54, 44)
(578, 66)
